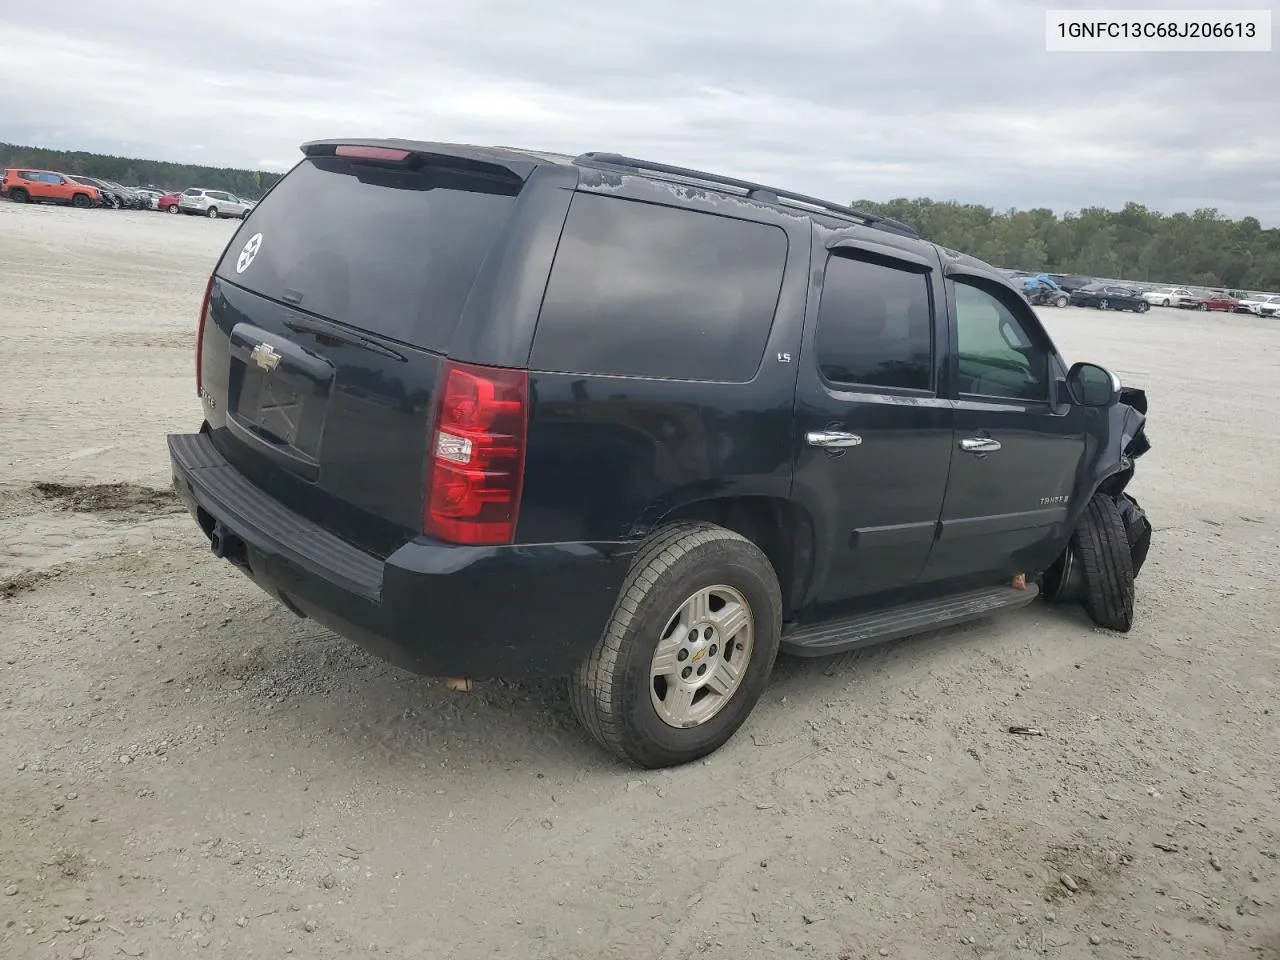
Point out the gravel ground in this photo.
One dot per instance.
(188, 770)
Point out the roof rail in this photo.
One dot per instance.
(754, 191)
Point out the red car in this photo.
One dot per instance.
(1210, 301)
(169, 203)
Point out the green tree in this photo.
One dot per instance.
(1133, 243)
(140, 173)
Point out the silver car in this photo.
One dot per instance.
(213, 203)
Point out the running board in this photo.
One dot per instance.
(880, 626)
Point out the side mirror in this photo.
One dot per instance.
(1093, 386)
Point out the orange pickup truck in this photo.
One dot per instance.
(46, 186)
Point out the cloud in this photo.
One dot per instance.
(840, 98)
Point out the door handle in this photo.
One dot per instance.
(979, 445)
(833, 439)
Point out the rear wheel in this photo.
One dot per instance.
(1102, 547)
(1202, 306)
(688, 650)
(173, 208)
(1060, 301)
(1143, 306)
(1165, 303)
(18, 195)
(212, 213)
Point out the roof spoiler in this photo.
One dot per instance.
(414, 154)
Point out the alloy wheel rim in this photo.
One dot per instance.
(702, 656)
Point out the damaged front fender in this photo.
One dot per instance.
(1126, 441)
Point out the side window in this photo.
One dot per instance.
(998, 356)
(192, 192)
(875, 325)
(644, 290)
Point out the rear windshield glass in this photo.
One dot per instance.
(391, 251)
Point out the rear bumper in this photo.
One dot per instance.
(524, 611)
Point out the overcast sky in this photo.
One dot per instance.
(950, 99)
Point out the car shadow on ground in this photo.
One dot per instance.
(320, 691)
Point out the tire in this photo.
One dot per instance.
(1202, 306)
(1104, 304)
(18, 195)
(81, 200)
(615, 693)
(173, 208)
(1137, 530)
(1059, 301)
(1165, 303)
(1143, 307)
(1102, 546)
(212, 213)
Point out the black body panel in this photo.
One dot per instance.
(431, 608)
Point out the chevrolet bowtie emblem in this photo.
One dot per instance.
(265, 357)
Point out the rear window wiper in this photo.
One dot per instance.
(333, 332)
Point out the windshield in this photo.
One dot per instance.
(385, 249)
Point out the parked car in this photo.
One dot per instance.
(46, 186)
(132, 199)
(212, 203)
(109, 196)
(1041, 290)
(1166, 296)
(637, 425)
(1108, 296)
(1210, 300)
(150, 198)
(169, 203)
(1071, 281)
(1265, 305)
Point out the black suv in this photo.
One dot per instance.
(496, 413)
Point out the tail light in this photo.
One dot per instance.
(476, 467)
(204, 312)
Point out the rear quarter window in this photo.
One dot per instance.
(644, 290)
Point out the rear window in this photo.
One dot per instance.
(651, 291)
(388, 250)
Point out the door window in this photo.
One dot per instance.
(999, 354)
(875, 325)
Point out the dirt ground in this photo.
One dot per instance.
(186, 769)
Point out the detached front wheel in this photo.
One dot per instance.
(1101, 544)
(688, 651)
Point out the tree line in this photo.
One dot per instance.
(1201, 248)
(133, 172)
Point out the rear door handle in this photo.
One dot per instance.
(979, 445)
(833, 439)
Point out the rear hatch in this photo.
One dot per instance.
(326, 327)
